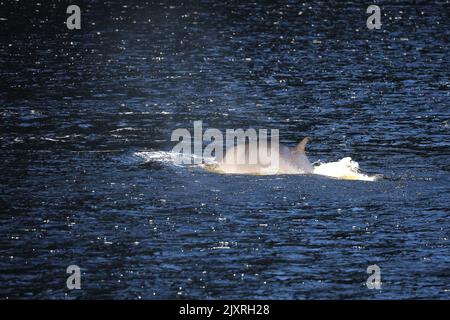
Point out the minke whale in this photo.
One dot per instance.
(242, 159)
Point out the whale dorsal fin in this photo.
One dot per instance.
(301, 145)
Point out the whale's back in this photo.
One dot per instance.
(241, 159)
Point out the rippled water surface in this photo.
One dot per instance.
(79, 107)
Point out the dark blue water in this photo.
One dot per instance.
(77, 105)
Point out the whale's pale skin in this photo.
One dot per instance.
(290, 161)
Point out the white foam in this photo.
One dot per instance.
(345, 169)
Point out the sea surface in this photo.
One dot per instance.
(86, 118)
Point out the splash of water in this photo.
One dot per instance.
(345, 169)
